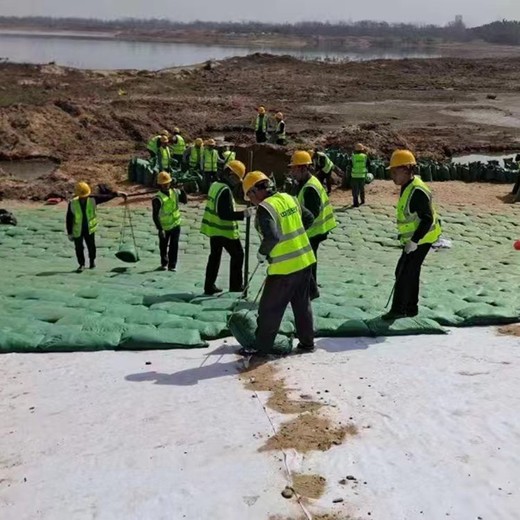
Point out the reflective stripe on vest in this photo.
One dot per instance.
(164, 157)
(261, 124)
(77, 212)
(210, 160)
(212, 224)
(407, 223)
(179, 146)
(325, 221)
(169, 214)
(293, 251)
(195, 156)
(328, 163)
(359, 166)
(229, 156)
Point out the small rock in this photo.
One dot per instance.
(351, 477)
(343, 481)
(491, 96)
(288, 492)
(337, 501)
(148, 363)
(25, 479)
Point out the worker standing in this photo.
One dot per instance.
(516, 187)
(281, 223)
(178, 146)
(82, 223)
(279, 132)
(194, 154)
(261, 125)
(220, 225)
(153, 143)
(360, 166)
(228, 155)
(324, 167)
(313, 197)
(167, 219)
(418, 226)
(163, 159)
(210, 162)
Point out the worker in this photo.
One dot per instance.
(167, 219)
(178, 146)
(516, 187)
(279, 132)
(324, 167)
(418, 226)
(360, 166)
(281, 223)
(153, 143)
(313, 197)
(193, 155)
(220, 225)
(261, 125)
(228, 155)
(163, 158)
(81, 221)
(210, 162)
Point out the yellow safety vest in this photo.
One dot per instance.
(164, 157)
(359, 165)
(261, 124)
(325, 221)
(153, 144)
(179, 146)
(407, 223)
(195, 155)
(293, 252)
(90, 212)
(212, 224)
(169, 214)
(210, 160)
(328, 163)
(229, 156)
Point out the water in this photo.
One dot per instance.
(27, 169)
(466, 159)
(82, 50)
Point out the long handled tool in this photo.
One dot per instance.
(397, 278)
(248, 234)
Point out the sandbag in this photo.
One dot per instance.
(26, 341)
(485, 314)
(161, 339)
(69, 338)
(127, 253)
(403, 327)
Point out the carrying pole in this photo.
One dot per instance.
(248, 232)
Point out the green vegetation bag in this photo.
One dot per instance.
(404, 327)
(485, 314)
(127, 251)
(164, 338)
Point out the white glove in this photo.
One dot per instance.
(410, 247)
(261, 258)
(249, 212)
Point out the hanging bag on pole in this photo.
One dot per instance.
(127, 251)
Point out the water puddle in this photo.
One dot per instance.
(27, 169)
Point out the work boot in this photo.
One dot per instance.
(80, 269)
(212, 290)
(162, 268)
(92, 265)
(394, 315)
(172, 269)
(304, 349)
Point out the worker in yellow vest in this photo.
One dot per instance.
(220, 225)
(167, 219)
(358, 176)
(178, 146)
(193, 155)
(81, 221)
(228, 155)
(163, 158)
(210, 162)
(261, 125)
(153, 143)
(312, 196)
(324, 167)
(281, 223)
(418, 226)
(279, 136)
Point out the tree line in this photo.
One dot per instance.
(500, 32)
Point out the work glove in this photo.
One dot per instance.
(70, 237)
(249, 212)
(410, 247)
(262, 259)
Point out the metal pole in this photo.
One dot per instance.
(248, 233)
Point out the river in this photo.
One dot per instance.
(101, 51)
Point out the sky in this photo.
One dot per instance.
(420, 11)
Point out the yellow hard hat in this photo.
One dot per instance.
(176, 130)
(300, 158)
(359, 147)
(164, 178)
(261, 110)
(237, 167)
(211, 142)
(278, 115)
(402, 158)
(82, 190)
(165, 132)
(199, 142)
(164, 139)
(252, 179)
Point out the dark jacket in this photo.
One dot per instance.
(99, 199)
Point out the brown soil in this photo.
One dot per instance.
(309, 432)
(510, 330)
(309, 486)
(93, 122)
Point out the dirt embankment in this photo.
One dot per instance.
(92, 122)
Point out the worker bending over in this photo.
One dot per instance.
(228, 155)
(167, 219)
(360, 166)
(82, 223)
(153, 143)
(324, 167)
(261, 126)
(313, 197)
(220, 225)
(281, 223)
(418, 227)
(178, 146)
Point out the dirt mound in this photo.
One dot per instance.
(309, 486)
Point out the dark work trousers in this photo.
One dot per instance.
(261, 137)
(209, 179)
(90, 241)
(280, 291)
(326, 180)
(358, 191)
(235, 251)
(169, 247)
(315, 244)
(281, 142)
(407, 273)
(178, 158)
(516, 187)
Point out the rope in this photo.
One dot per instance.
(127, 217)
